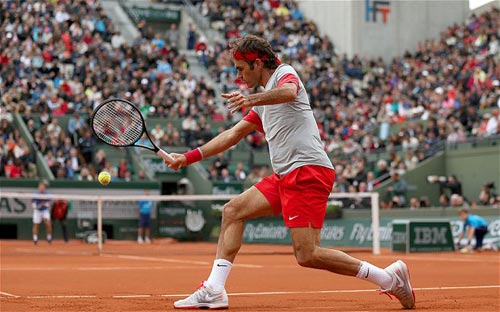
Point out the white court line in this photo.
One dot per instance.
(263, 293)
(342, 291)
(132, 296)
(157, 259)
(48, 252)
(436, 259)
(8, 295)
(142, 258)
(61, 297)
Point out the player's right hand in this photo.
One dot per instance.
(179, 161)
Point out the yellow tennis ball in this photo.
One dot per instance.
(104, 178)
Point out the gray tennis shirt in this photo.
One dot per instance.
(291, 130)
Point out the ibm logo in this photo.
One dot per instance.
(375, 8)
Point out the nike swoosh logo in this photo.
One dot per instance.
(294, 217)
(367, 273)
(400, 281)
(209, 298)
(221, 265)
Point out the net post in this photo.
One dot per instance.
(99, 224)
(375, 223)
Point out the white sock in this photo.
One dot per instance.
(376, 275)
(49, 236)
(35, 237)
(219, 274)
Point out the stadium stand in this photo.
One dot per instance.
(445, 92)
(61, 59)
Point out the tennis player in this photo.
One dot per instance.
(41, 211)
(302, 179)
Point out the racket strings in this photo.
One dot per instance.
(118, 123)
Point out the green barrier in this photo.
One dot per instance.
(422, 236)
(357, 232)
(184, 222)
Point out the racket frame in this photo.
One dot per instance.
(160, 152)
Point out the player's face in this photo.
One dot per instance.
(248, 74)
(463, 216)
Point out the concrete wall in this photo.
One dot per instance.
(474, 166)
(408, 22)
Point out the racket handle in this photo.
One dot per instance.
(166, 156)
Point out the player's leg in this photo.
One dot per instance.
(250, 204)
(392, 280)
(304, 195)
(48, 225)
(211, 293)
(147, 229)
(308, 253)
(147, 234)
(479, 234)
(37, 218)
(139, 235)
(140, 229)
(64, 229)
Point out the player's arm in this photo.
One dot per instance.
(470, 233)
(284, 93)
(220, 143)
(460, 236)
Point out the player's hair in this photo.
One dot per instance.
(252, 43)
(464, 210)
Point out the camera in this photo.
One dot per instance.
(435, 179)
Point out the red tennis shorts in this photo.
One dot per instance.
(301, 195)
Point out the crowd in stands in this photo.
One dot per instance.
(446, 91)
(64, 57)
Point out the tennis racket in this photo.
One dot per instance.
(119, 123)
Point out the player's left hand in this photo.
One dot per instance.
(236, 101)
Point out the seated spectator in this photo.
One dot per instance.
(487, 196)
(396, 194)
(444, 200)
(414, 203)
(225, 176)
(457, 200)
(220, 162)
(85, 174)
(123, 169)
(240, 173)
(425, 202)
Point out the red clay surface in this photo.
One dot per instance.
(132, 277)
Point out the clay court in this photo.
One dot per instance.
(132, 277)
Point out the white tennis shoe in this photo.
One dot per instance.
(401, 287)
(204, 298)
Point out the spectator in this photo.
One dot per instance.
(396, 194)
(220, 162)
(425, 202)
(444, 200)
(458, 201)
(75, 124)
(414, 203)
(487, 196)
(225, 176)
(157, 133)
(240, 173)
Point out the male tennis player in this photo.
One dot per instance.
(299, 187)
